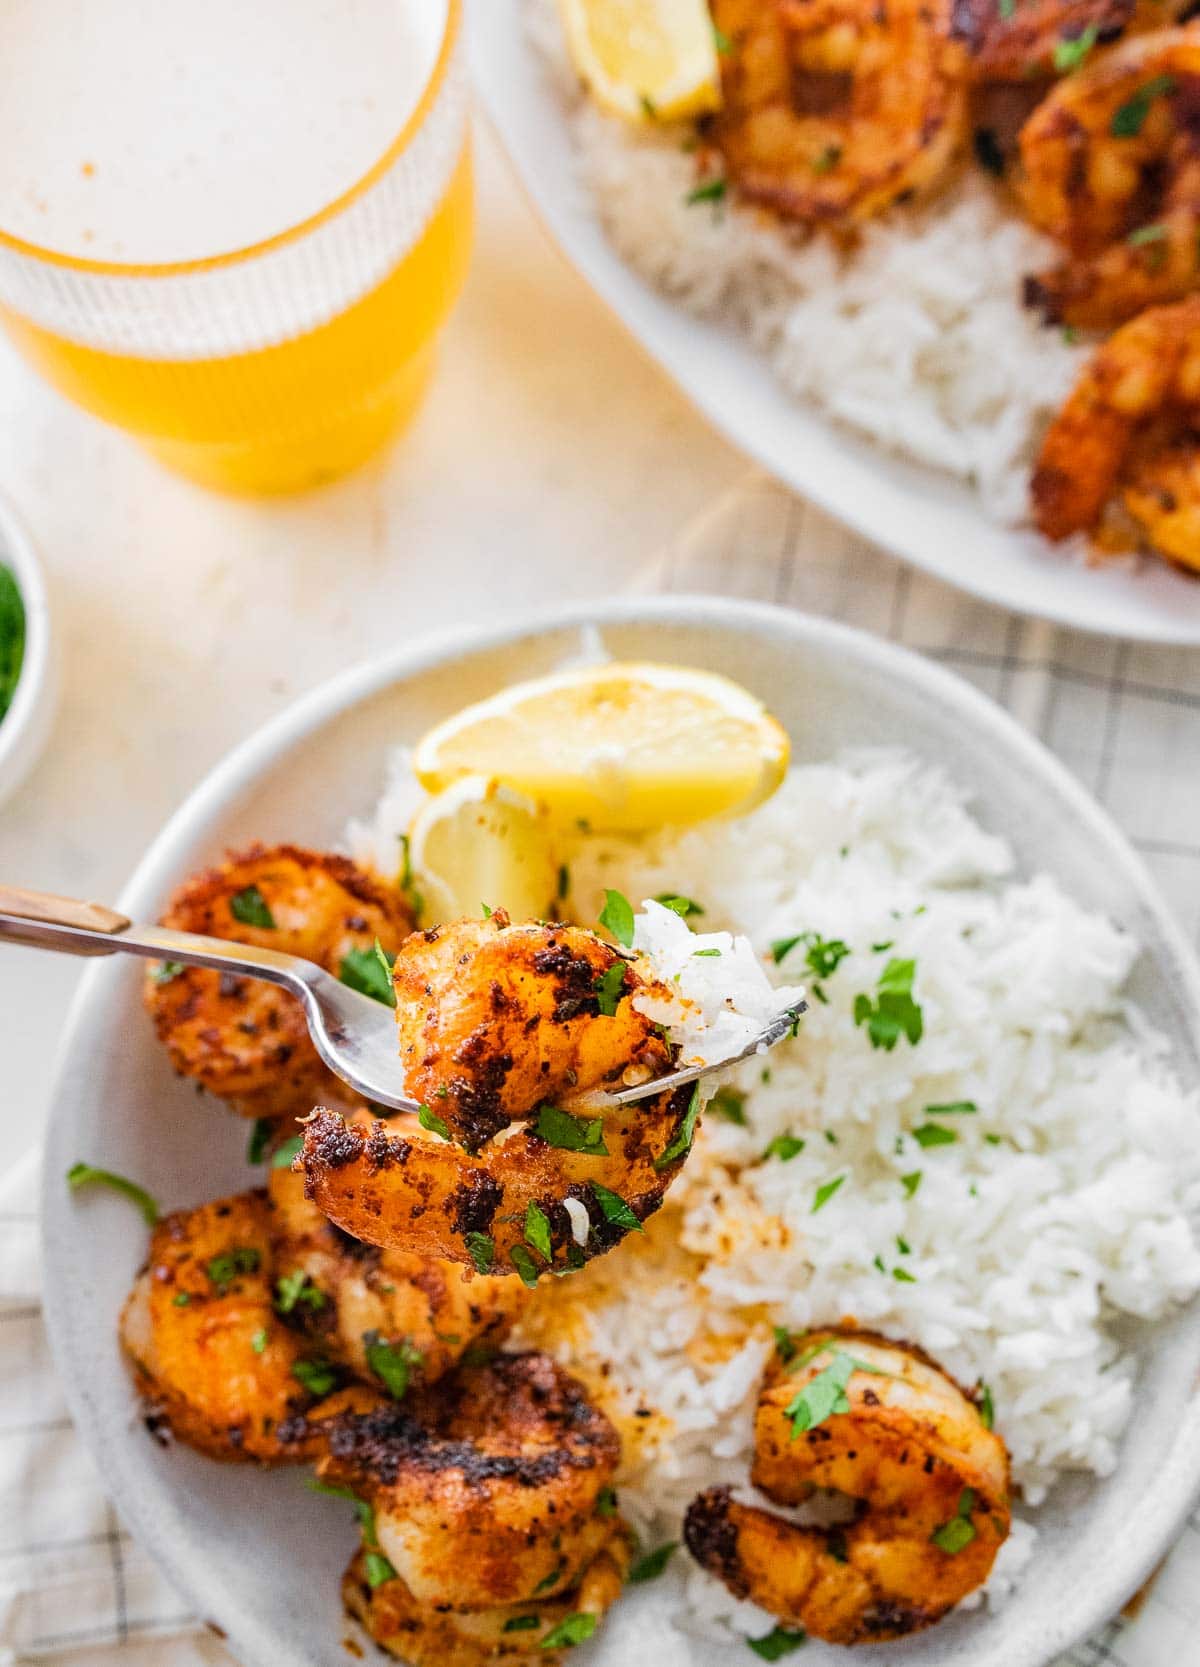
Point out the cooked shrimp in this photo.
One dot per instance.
(244, 1040)
(835, 109)
(1112, 171)
(424, 1635)
(211, 1358)
(355, 1299)
(492, 1488)
(1012, 42)
(1137, 398)
(928, 1478)
(496, 1019)
(521, 1206)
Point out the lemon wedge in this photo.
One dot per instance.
(478, 843)
(645, 59)
(616, 747)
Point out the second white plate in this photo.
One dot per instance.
(926, 518)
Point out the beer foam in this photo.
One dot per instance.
(190, 128)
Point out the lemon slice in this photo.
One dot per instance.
(617, 747)
(645, 59)
(479, 843)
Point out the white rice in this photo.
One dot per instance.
(1067, 1205)
(917, 340)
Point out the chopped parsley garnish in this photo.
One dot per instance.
(988, 151)
(780, 1641)
(785, 1346)
(12, 637)
(903, 1246)
(259, 1341)
(784, 1147)
(911, 1182)
(608, 988)
(729, 1105)
(369, 971)
(614, 1209)
(86, 1175)
(893, 1013)
(954, 1536)
(706, 952)
(574, 1630)
(877, 1262)
(392, 1363)
(430, 1120)
(684, 907)
(1147, 234)
(1069, 54)
(181, 1299)
(379, 1570)
(649, 108)
(317, 1376)
(653, 1563)
(825, 1193)
(932, 1134)
(903, 1277)
(681, 1141)
(606, 1502)
(1129, 120)
(550, 1580)
(295, 1288)
(231, 1264)
(1007, 9)
(987, 1407)
(250, 907)
(570, 1134)
(482, 1251)
(709, 191)
(260, 1134)
(953, 1108)
(284, 1156)
(564, 882)
(825, 1393)
(721, 41)
(407, 885)
(617, 917)
(827, 160)
(522, 1623)
(524, 1264)
(164, 971)
(537, 1231)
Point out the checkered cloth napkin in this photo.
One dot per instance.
(1125, 718)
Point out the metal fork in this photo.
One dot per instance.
(354, 1035)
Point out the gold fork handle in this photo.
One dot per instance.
(43, 907)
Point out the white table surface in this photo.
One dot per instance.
(550, 462)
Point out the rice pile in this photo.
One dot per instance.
(917, 340)
(1011, 1246)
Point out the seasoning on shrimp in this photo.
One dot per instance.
(1129, 434)
(835, 109)
(879, 1423)
(1111, 161)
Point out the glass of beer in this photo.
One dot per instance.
(235, 230)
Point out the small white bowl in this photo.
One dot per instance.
(25, 727)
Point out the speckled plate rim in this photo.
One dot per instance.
(1148, 1530)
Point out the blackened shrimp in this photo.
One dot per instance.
(524, 1205)
(242, 1039)
(1111, 160)
(1016, 42)
(882, 1425)
(835, 109)
(427, 1635)
(1130, 430)
(495, 1019)
(492, 1488)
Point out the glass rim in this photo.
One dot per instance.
(290, 234)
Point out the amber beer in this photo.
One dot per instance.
(235, 230)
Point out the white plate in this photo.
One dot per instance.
(255, 1553)
(929, 519)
